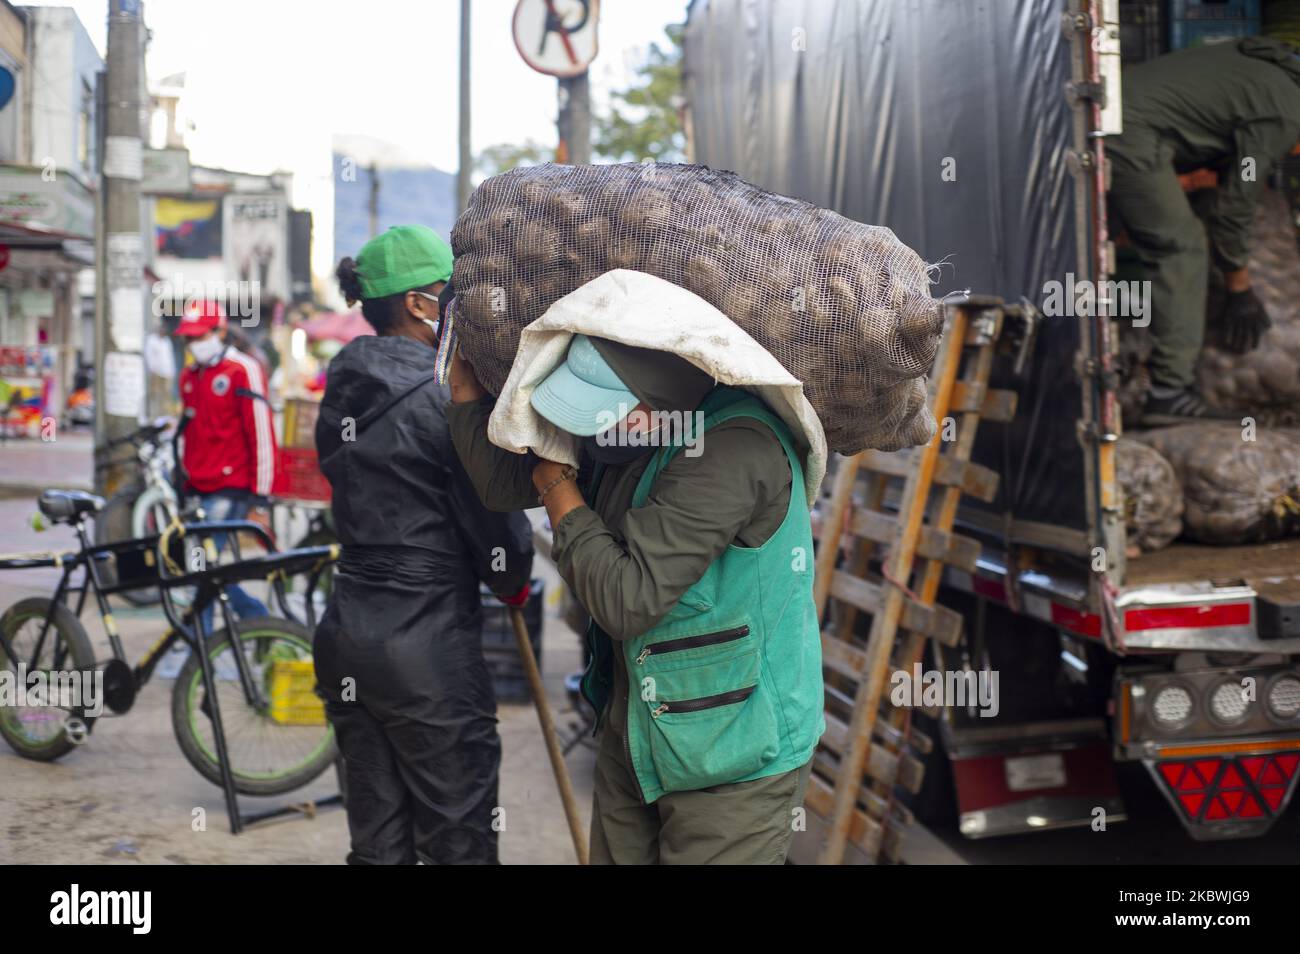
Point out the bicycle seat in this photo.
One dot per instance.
(68, 505)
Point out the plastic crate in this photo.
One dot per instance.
(298, 476)
(1193, 23)
(1141, 33)
(298, 424)
(293, 693)
(1214, 9)
(500, 648)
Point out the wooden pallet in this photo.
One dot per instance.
(885, 539)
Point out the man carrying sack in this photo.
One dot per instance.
(706, 659)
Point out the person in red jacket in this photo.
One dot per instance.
(229, 443)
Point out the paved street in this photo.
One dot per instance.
(128, 795)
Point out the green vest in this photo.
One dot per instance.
(728, 686)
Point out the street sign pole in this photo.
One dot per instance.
(574, 120)
(558, 38)
(463, 185)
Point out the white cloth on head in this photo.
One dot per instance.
(643, 311)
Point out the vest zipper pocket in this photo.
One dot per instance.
(705, 702)
(692, 642)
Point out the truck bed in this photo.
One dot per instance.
(1272, 564)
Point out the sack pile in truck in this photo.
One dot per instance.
(1153, 496)
(844, 307)
(1235, 490)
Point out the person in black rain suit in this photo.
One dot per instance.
(398, 653)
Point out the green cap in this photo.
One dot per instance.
(404, 257)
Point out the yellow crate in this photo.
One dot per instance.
(293, 693)
(299, 423)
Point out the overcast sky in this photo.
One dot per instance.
(268, 82)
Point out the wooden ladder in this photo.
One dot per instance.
(899, 537)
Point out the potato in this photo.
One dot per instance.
(592, 234)
(565, 207)
(705, 276)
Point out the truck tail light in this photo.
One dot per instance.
(1226, 791)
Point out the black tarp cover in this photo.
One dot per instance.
(861, 106)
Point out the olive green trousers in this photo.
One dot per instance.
(746, 823)
(1170, 242)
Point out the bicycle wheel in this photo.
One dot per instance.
(274, 747)
(297, 585)
(40, 732)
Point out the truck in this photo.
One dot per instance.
(977, 132)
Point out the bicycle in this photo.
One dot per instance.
(150, 502)
(273, 749)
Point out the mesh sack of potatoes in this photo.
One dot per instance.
(1153, 497)
(1234, 490)
(1265, 382)
(845, 307)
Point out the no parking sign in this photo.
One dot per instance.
(556, 37)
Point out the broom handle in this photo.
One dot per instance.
(548, 733)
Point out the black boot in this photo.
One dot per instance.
(1182, 407)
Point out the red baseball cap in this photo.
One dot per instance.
(200, 318)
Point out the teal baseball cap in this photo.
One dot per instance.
(583, 395)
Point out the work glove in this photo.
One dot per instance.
(1244, 321)
(519, 599)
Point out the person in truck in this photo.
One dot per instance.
(229, 443)
(705, 667)
(1232, 106)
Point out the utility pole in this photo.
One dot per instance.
(574, 120)
(463, 186)
(119, 253)
(374, 199)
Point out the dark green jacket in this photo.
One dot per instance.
(1215, 106)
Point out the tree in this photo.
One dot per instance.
(504, 156)
(644, 121)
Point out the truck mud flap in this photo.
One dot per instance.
(1033, 777)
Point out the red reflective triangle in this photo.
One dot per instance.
(1253, 765)
(1231, 778)
(1217, 811)
(1273, 775)
(1207, 768)
(1250, 809)
(1192, 803)
(1273, 796)
(1232, 800)
(1288, 763)
(1172, 771)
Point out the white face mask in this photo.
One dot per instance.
(433, 325)
(206, 350)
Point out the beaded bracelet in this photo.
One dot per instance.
(568, 474)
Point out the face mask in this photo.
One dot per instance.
(615, 455)
(206, 350)
(433, 325)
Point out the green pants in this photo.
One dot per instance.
(748, 823)
(1170, 243)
